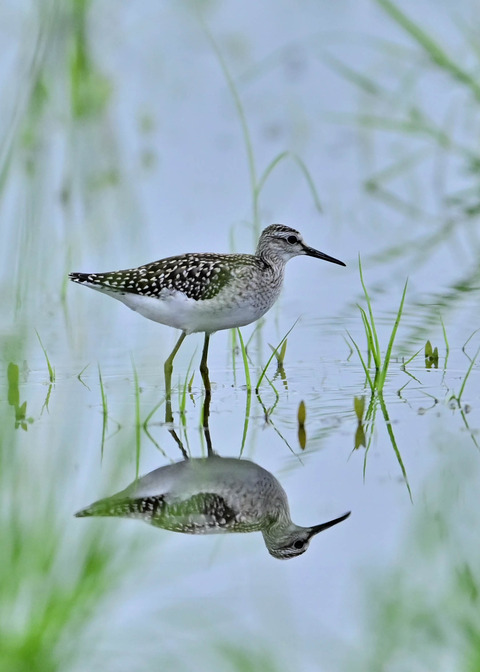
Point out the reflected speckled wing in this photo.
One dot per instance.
(200, 513)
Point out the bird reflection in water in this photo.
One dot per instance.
(213, 495)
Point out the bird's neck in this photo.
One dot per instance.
(271, 260)
(281, 529)
(279, 520)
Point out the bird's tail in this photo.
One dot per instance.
(123, 507)
(79, 277)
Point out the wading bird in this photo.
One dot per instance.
(206, 292)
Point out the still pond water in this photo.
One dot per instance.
(124, 141)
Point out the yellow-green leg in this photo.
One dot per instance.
(168, 366)
(204, 367)
(205, 421)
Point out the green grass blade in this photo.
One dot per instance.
(311, 184)
(274, 354)
(244, 126)
(364, 83)
(349, 347)
(183, 394)
(51, 370)
(410, 359)
(279, 353)
(386, 361)
(275, 391)
(102, 393)
(155, 443)
(246, 421)
(268, 170)
(13, 378)
(369, 425)
(246, 366)
(303, 169)
(105, 411)
(79, 376)
(394, 442)
(47, 399)
(359, 407)
(255, 332)
(372, 319)
(431, 47)
(138, 423)
(396, 169)
(370, 339)
(152, 413)
(146, 428)
(468, 428)
(419, 125)
(464, 382)
(365, 367)
(469, 339)
(447, 346)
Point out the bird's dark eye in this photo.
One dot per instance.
(292, 240)
(298, 544)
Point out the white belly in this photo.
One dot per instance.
(177, 310)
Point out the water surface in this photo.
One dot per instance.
(122, 143)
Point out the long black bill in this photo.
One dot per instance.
(311, 252)
(324, 526)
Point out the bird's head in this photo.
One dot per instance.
(285, 243)
(294, 540)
